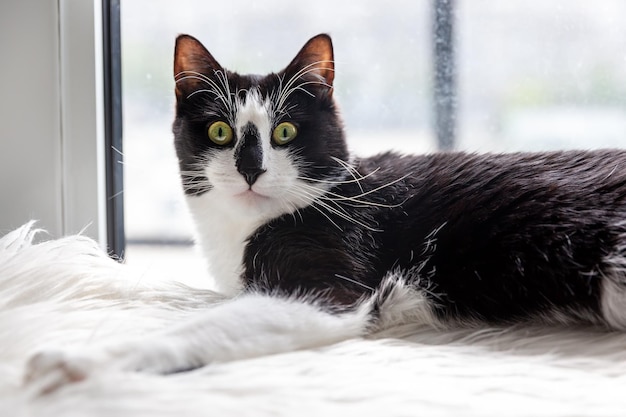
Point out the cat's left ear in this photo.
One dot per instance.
(316, 58)
(192, 62)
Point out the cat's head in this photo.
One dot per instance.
(257, 145)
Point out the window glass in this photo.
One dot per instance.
(540, 75)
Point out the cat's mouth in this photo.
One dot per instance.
(251, 197)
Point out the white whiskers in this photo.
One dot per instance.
(219, 87)
(328, 202)
(354, 281)
(284, 90)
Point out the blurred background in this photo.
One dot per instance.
(530, 75)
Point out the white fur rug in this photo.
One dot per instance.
(67, 293)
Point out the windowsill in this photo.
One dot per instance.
(158, 263)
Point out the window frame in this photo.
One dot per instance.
(82, 119)
(113, 133)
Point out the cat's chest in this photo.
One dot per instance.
(223, 239)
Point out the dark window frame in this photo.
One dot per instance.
(444, 69)
(113, 135)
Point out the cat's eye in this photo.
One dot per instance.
(220, 133)
(284, 133)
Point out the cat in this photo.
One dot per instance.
(314, 245)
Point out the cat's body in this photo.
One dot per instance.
(500, 238)
(317, 245)
(524, 236)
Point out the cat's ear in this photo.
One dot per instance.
(192, 61)
(316, 58)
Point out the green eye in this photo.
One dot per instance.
(284, 133)
(220, 133)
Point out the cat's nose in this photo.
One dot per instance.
(251, 175)
(249, 155)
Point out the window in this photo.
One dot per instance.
(526, 76)
(541, 75)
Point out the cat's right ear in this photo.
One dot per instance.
(316, 58)
(192, 62)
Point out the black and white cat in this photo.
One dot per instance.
(315, 245)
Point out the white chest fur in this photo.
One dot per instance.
(222, 235)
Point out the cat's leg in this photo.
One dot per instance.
(249, 326)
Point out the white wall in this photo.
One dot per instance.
(50, 116)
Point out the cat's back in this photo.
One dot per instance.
(481, 196)
(447, 177)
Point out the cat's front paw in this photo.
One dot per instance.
(50, 370)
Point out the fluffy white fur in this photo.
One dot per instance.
(246, 327)
(66, 293)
